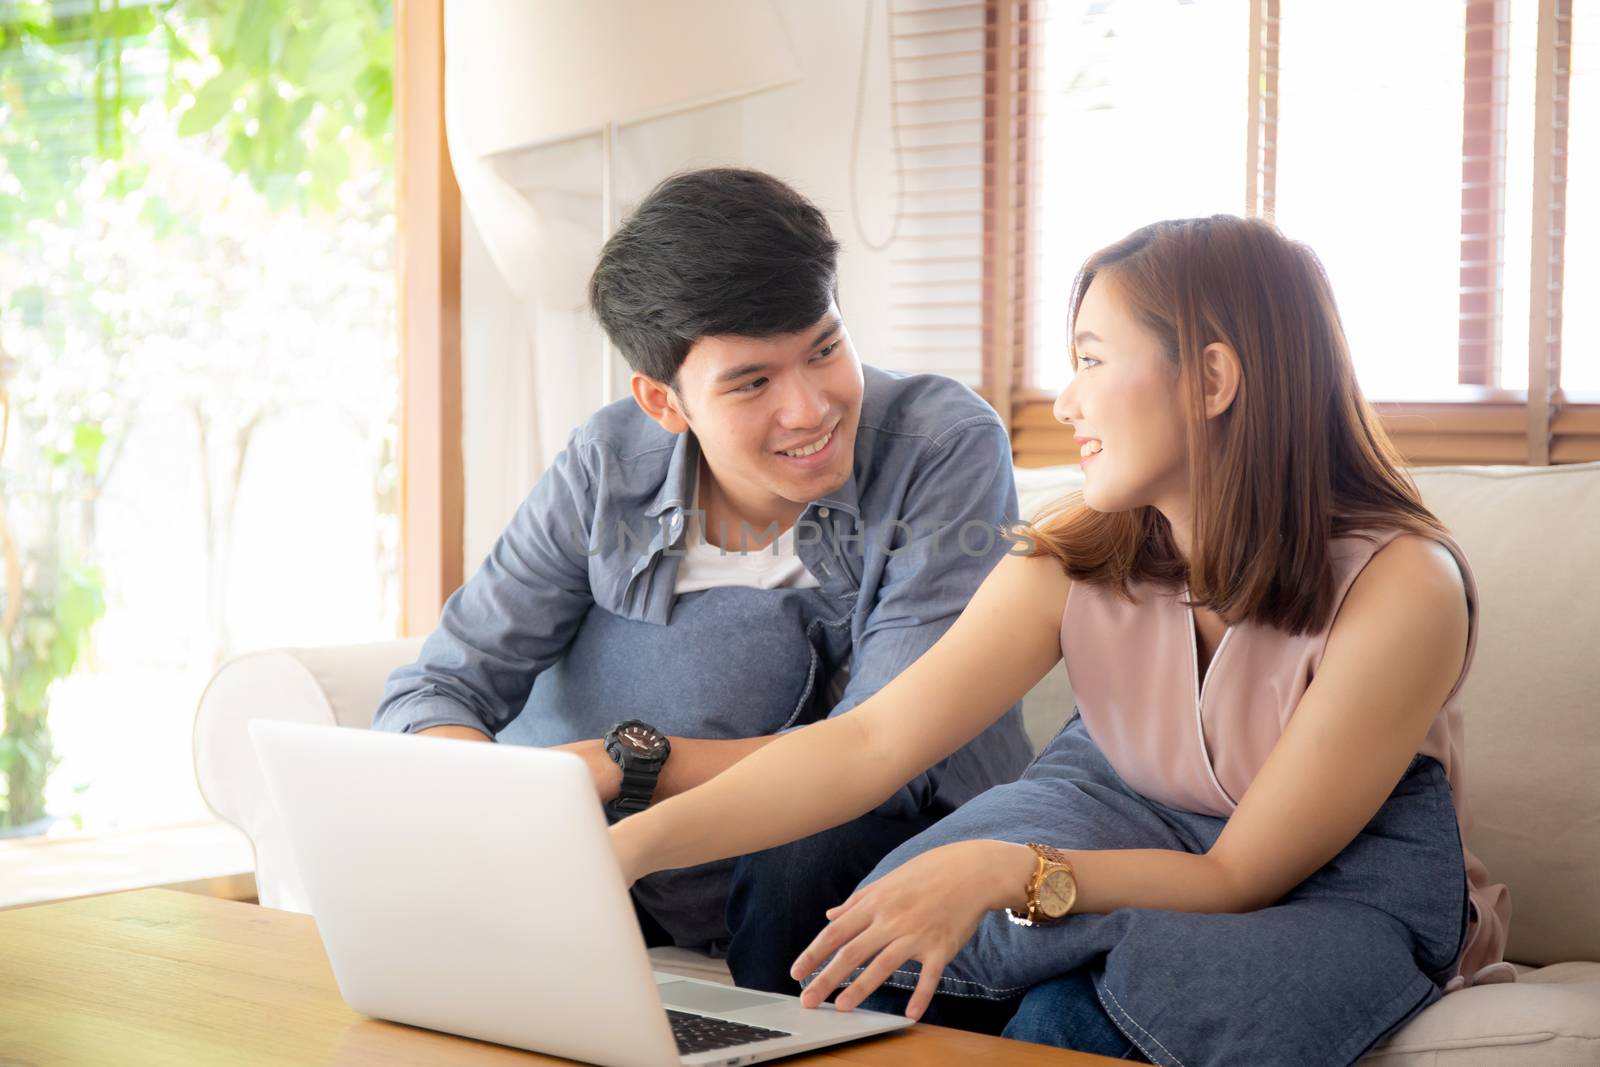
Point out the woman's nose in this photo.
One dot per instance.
(1065, 408)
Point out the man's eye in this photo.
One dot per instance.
(751, 386)
(823, 353)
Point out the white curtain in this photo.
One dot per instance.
(531, 351)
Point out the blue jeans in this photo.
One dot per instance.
(777, 899)
(1316, 979)
(1064, 1012)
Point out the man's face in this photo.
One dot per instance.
(776, 417)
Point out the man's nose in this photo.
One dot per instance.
(804, 405)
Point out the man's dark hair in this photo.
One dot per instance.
(711, 253)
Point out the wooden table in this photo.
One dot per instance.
(154, 976)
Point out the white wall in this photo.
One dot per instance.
(532, 373)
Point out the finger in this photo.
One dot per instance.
(844, 905)
(927, 985)
(876, 973)
(836, 933)
(846, 960)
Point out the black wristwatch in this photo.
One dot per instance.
(641, 751)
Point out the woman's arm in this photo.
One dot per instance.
(832, 771)
(1394, 653)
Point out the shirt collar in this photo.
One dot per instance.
(846, 498)
(678, 486)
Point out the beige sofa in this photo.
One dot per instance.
(1533, 714)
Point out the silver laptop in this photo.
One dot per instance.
(472, 888)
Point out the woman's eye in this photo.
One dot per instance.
(1085, 361)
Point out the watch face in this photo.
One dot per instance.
(640, 739)
(1057, 893)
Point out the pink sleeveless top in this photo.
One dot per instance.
(1198, 746)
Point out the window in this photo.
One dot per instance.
(1580, 318)
(1427, 152)
(1116, 147)
(197, 309)
(1369, 172)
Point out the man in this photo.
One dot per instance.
(765, 533)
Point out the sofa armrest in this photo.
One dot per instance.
(338, 686)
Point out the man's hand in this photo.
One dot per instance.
(603, 770)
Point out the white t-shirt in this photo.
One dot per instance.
(708, 566)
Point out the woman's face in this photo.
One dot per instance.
(1124, 406)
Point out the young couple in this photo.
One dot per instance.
(779, 570)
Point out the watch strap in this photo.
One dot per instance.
(639, 775)
(1046, 858)
(638, 788)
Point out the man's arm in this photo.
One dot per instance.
(965, 482)
(454, 733)
(694, 761)
(966, 479)
(514, 618)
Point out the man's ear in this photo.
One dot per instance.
(660, 402)
(1223, 375)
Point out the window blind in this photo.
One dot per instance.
(961, 139)
(1448, 238)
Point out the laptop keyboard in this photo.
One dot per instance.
(701, 1033)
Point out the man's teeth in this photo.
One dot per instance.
(801, 453)
(1090, 448)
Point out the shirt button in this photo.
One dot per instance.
(822, 513)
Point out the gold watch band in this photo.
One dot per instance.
(1050, 854)
(1048, 857)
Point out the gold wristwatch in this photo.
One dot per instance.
(1052, 890)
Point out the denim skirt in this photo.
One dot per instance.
(1344, 959)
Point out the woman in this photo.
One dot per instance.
(1255, 816)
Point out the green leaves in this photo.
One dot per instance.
(50, 638)
(330, 166)
(79, 606)
(281, 84)
(88, 439)
(338, 60)
(297, 78)
(48, 642)
(214, 100)
(15, 750)
(253, 43)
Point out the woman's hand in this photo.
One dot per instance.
(925, 910)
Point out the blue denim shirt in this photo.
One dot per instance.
(898, 552)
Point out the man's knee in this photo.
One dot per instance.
(833, 861)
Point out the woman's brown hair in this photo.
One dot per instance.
(1298, 458)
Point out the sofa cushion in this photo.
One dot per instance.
(1048, 705)
(1549, 1018)
(1532, 700)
